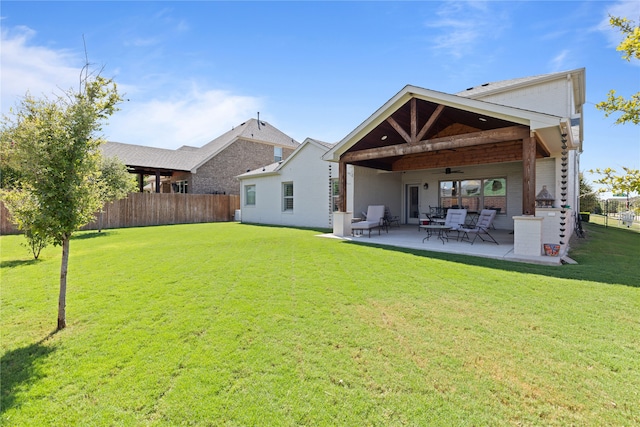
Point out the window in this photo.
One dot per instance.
(475, 194)
(287, 196)
(250, 195)
(277, 154)
(335, 194)
(181, 187)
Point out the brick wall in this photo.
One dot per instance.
(218, 174)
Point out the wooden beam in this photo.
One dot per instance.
(541, 148)
(446, 143)
(529, 176)
(399, 129)
(414, 121)
(485, 154)
(430, 122)
(342, 184)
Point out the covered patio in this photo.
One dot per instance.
(425, 148)
(409, 237)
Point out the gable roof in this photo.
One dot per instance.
(503, 115)
(486, 89)
(187, 158)
(273, 168)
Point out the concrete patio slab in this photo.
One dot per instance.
(408, 236)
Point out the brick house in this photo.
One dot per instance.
(210, 169)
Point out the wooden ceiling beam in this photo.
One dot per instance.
(510, 133)
(430, 122)
(399, 129)
(491, 153)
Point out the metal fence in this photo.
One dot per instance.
(621, 212)
(145, 209)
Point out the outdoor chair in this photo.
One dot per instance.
(375, 219)
(436, 212)
(481, 228)
(389, 219)
(423, 219)
(455, 219)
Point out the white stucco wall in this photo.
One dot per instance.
(374, 187)
(310, 176)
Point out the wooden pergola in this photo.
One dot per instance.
(424, 134)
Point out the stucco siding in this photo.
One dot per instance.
(310, 176)
(373, 187)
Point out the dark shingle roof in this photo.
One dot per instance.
(187, 158)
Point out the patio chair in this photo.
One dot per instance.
(375, 219)
(423, 219)
(436, 212)
(390, 219)
(481, 228)
(455, 219)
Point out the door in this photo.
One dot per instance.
(412, 198)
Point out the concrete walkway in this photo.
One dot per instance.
(408, 236)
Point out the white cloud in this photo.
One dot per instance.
(36, 69)
(558, 62)
(194, 118)
(463, 25)
(624, 9)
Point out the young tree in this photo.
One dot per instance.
(627, 183)
(630, 45)
(56, 151)
(24, 210)
(115, 182)
(588, 198)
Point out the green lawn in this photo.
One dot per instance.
(239, 325)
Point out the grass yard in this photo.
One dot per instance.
(239, 325)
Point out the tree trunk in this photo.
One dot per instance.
(62, 298)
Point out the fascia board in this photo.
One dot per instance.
(257, 174)
(576, 74)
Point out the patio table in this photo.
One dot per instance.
(436, 228)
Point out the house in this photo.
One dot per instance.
(492, 146)
(210, 169)
(301, 190)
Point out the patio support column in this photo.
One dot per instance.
(141, 182)
(157, 181)
(342, 184)
(342, 218)
(529, 176)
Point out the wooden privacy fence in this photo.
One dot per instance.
(145, 209)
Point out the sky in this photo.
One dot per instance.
(190, 71)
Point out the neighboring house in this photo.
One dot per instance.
(210, 169)
(300, 191)
(493, 146)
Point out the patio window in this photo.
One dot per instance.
(287, 196)
(277, 154)
(475, 194)
(250, 195)
(335, 194)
